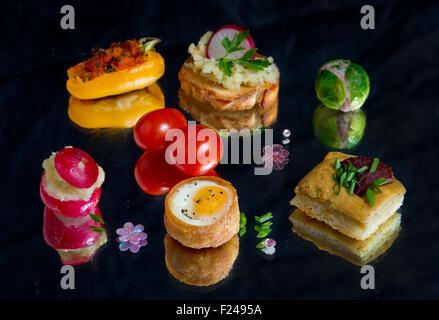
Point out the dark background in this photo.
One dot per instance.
(399, 56)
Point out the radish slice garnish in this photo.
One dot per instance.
(216, 50)
(76, 167)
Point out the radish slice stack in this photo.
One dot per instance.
(73, 227)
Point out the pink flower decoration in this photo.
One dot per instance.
(275, 156)
(131, 237)
(270, 246)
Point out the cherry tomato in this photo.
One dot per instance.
(155, 177)
(150, 130)
(202, 147)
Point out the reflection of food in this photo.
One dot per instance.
(200, 267)
(202, 212)
(124, 67)
(359, 252)
(342, 85)
(336, 129)
(155, 176)
(70, 188)
(346, 223)
(120, 111)
(72, 238)
(244, 99)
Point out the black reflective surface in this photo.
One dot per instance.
(402, 109)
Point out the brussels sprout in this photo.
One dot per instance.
(336, 129)
(342, 85)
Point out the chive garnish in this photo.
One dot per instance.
(350, 176)
(243, 220)
(352, 187)
(337, 188)
(342, 178)
(96, 218)
(242, 223)
(362, 169)
(266, 225)
(263, 233)
(376, 190)
(374, 165)
(337, 164)
(97, 229)
(370, 197)
(261, 244)
(264, 217)
(379, 182)
(346, 177)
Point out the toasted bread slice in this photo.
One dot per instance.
(200, 96)
(211, 117)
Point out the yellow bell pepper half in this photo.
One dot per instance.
(121, 81)
(120, 111)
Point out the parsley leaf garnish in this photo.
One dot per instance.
(246, 60)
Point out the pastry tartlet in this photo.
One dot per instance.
(202, 212)
(200, 267)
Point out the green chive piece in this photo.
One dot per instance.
(266, 225)
(352, 187)
(257, 228)
(339, 172)
(370, 197)
(335, 177)
(351, 168)
(375, 189)
(97, 229)
(350, 176)
(264, 217)
(337, 164)
(337, 188)
(96, 218)
(261, 244)
(374, 165)
(243, 220)
(378, 182)
(362, 169)
(263, 233)
(242, 231)
(342, 178)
